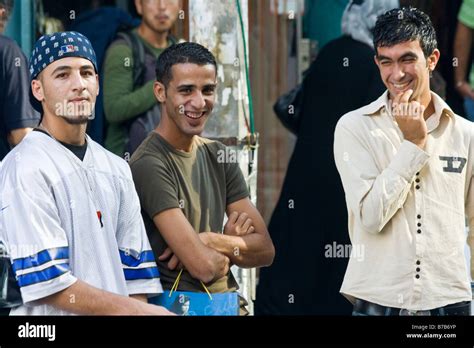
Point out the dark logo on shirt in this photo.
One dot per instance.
(454, 164)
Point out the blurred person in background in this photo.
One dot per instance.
(129, 103)
(17, 116)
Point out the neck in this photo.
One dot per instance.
(59, 129)
(176, 139)
(156, 39)
(427, 102)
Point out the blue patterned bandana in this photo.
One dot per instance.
(50, 48)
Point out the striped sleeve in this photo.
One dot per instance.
(140, 272)
(41, 267)
(43, 274)
(142, 266)
(31, 229)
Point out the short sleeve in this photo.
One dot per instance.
(236, 187)
(138, 262)
(30, 227)
(17, 110)
(155, 186)
(466, 13)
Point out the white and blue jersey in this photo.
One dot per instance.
(64, 219)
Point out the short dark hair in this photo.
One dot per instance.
(186, 52)
(402, 25)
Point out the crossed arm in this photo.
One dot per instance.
(208, 255)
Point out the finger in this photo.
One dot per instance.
(166, 254)
(233, 217)
(251, 230)
(422, 111)
(396, 98)
(406, 96)
(173, 263)
(247, 225)
(242, 218)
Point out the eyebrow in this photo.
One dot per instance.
(211, 85)
(67, 67)
(406, 55)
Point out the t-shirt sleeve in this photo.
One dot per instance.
(138, 261)
(17, 110)
(236, 187)
(155, 185)
(466, 13)
(31, 229)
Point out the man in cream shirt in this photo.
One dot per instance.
(406, 162)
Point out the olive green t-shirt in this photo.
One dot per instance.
(198, 182)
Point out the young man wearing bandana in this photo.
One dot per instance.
(70, 216)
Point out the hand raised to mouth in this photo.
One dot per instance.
(409, 118)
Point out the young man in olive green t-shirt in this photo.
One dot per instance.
(185, 189)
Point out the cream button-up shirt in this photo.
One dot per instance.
(407, 207)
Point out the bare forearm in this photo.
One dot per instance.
(140, 297)
(82, 298)
(251, 250)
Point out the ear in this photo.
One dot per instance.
(98, 84)
(159, 90)
(37, 90)
(376, 61)
(433, 59)
(139, 7)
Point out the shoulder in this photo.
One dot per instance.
(353, 119)
(149, 152)
(109, 162)
(118, 50)
(9, 49)
(465, 126)
(145, 161)
(29, 162)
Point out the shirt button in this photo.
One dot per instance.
(417, 276)
(418, 231)
(418, 216)
(418, 173)
(417, 187)
(418, 262)
(417, 269)
(417, 180)
(418, 224)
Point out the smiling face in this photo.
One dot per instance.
(68, 88)
(403, 66)
(188, 99)
(158, 15)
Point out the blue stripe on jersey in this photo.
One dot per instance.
(44, 275)
(141, 273)
(131, 261)
(41, 258)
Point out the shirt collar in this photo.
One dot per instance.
(380, 106)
